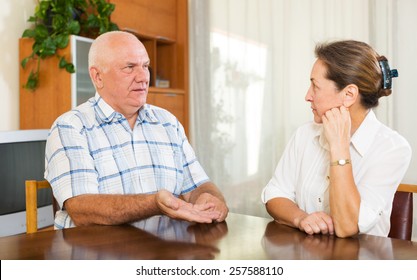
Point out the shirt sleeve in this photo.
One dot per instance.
(378, 183)
(69, 165)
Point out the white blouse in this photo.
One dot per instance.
(380, 157)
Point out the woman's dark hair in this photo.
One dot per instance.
(352, 62)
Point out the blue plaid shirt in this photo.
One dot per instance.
(92, 150)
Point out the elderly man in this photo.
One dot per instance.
(116, 159)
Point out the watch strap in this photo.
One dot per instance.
(340, 162)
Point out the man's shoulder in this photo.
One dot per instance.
(77, 116)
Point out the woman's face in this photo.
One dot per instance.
(322, 93)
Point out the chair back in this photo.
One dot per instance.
(402, 212)
(32, 188)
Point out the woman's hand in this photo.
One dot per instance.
(337, 128)
(315, 223)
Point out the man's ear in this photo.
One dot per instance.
(95, 76)
(351, 94)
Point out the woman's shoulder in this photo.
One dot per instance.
(392, 137)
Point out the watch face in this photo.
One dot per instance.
(340, 162)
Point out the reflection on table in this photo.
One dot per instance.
(281, 242)
(240, 237)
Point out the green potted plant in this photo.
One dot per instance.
(55, 20)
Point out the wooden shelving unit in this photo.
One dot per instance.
(58, 91)
(162, 26)
(40, 108)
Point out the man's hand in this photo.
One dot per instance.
(219, 205)
(179, 209)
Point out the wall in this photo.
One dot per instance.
(405, 47)
(13, 20)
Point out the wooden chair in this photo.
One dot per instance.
(402, 212)
(32, 188)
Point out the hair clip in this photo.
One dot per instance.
(387, 74)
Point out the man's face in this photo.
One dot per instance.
(125, 76)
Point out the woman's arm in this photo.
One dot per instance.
(343, 193)
(286, 212)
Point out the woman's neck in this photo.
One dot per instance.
(357, 115)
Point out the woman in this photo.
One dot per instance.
(338, 174)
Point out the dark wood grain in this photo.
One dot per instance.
(241, 237)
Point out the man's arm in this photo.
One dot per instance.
(110, 209)
(209, 193)
(115, 209)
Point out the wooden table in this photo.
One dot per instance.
(241, 237)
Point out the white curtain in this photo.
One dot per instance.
(250, 68)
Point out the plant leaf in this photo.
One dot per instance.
(113, 27)
(62, 62)
(29, 33)
(42, 9)
(24, 61)
(32, 82)
(32, 19)
(74, 27)
(62, 40)
(48, 47)
(55, 20)
(70, 68)
(41, 33)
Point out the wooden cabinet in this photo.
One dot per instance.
(40, 108)
(155, 18)
(162, 26)
(58, 91)
(171, 100)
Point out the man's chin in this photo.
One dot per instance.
(140, 100)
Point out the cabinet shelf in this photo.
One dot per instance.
(162, 27)
(166, 90)
(162, 54)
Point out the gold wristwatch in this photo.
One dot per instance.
(340, 162)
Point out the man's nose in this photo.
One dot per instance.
(142, 73)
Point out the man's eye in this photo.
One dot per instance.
(128, 69)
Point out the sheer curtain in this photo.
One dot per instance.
(250, 68)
